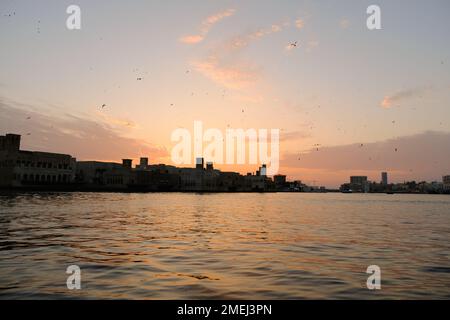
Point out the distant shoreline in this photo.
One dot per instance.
(67, 189)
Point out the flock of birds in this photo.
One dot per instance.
(292, 45)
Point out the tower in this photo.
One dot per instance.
(384, 178)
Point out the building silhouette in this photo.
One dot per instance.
(19, 168)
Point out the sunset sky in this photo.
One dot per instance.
(344, 98)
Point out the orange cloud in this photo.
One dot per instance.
(192, 39)
(220, 67)
(233, 77)
(207, 24)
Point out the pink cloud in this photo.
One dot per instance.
(207, 24)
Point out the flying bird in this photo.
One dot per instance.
(103, 106)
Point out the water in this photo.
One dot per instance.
(224, 246)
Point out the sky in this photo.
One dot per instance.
(347, 100)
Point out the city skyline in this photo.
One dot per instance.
(24, 169)
(348, 101)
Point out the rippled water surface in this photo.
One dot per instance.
(224, 246)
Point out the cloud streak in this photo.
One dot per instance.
(206, 25)
(222, 65)
(422, 156)
(79, 136)
(395, 99)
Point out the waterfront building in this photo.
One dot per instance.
(110, 175)
(143, 164)
(280, 182)
(446, 183)
(357, 184)
(20, 168)
(41, 169)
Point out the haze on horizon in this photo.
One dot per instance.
(344, 97)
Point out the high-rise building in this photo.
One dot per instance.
(384, 178)
(263, 170)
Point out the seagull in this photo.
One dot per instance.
(103, 106)
(139, 79)
(294, 44)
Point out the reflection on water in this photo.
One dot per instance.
(234, 246)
